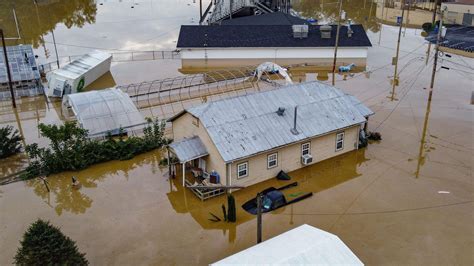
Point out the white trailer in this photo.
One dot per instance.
(78, 74)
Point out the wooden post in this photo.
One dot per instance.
(169, 163)
(259, 218)
(435, 63)
(336, 44)
(184, 174)
(395, 77)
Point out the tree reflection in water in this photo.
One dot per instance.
(36, 20)
(327, 11)
(63, 197)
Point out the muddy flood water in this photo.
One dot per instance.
(406, 200)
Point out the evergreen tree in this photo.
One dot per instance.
(44, 244)
(231, 215)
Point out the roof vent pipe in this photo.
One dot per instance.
(294, 130)
(280, 111)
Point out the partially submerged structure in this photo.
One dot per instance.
(26, 80)
(303, 245)
(103, 112)
(78, 74)
(244, 44)
(251, 138)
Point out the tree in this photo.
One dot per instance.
(9, 142)
(45, 244)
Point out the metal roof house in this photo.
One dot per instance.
(303, 245)
(254, 40)
(24, 71)
(249, 139)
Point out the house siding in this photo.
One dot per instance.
(289, 157)
(183, 127)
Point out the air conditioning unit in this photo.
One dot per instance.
(306, 159)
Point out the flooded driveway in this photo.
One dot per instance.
(408, 199)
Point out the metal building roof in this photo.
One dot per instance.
(304, 245)
(105, 111)
(246, 125)
(22, 64)
(189, 149)
(80, 66)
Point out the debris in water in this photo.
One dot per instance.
(443, 192)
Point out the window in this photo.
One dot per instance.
(339, 141)
(272, 160)
(242, 170)
(305, 148)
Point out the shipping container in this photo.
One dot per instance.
(78, 74)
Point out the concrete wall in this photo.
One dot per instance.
(289, 157)
(185, 127)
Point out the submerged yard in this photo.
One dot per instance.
(408, 199)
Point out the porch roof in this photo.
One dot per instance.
(189, 149)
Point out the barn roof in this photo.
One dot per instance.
(246, 125)
(238, 36)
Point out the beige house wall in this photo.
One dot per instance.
(187, 126)
(289, 157)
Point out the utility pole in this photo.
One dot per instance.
(200, 11)
(336, 44)
(259, 217)
(435, 63)
(55, 48)
(395, 77)
(7, 65)
(432, 23)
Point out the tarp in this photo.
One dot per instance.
(304, 245)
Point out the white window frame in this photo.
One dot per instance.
(246, 164)
(303, 149)
(269, 160)
(340, 141)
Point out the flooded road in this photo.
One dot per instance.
(408, 199)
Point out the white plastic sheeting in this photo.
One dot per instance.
(304, 245)
(101, 112)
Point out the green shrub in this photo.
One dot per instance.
(9, 142)
(71, 149)
(44, 244)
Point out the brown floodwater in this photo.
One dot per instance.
(408, 199)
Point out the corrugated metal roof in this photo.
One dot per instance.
(246, 125)
(189, 149)
(83, 64)
(105, 111)
(303, 245)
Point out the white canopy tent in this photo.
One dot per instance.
(103, 112)
(304, 245)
